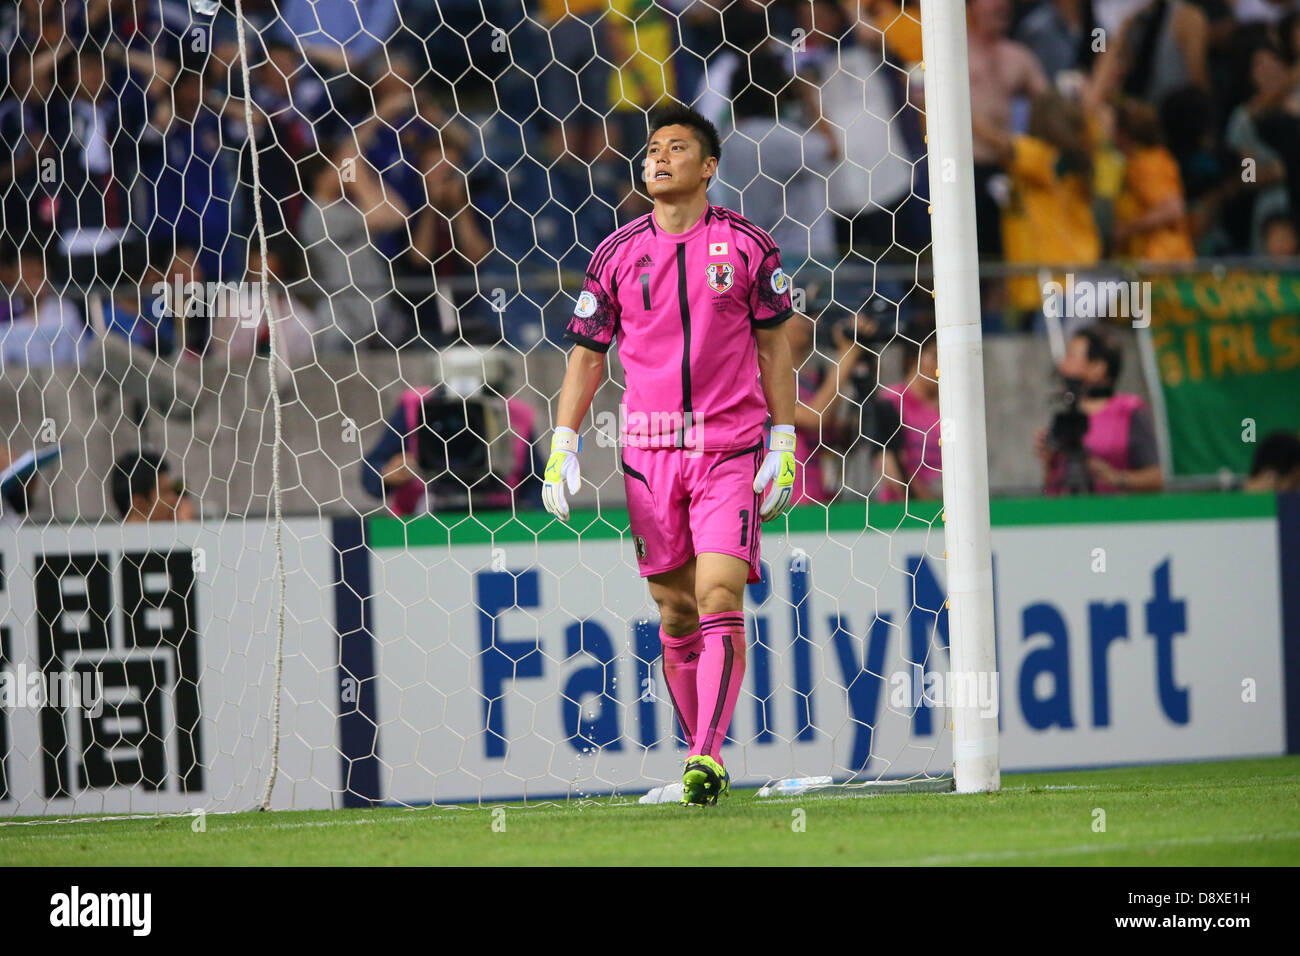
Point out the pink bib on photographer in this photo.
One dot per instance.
(1108, 439)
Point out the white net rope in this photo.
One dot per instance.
(285, 290)
(273, 357)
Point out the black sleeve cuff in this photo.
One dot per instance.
(772, 322)
(585, 342)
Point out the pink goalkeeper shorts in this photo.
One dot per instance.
(682, 503)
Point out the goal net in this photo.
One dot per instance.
(284, 292)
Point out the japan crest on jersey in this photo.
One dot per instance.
(721, 275)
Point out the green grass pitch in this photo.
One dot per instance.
(1228, 813)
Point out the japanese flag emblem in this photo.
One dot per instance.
(717, 248)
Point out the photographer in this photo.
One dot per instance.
(434, 455)
(1102, 442)
(818, 427)
(916, 400)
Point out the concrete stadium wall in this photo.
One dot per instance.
(214, 422)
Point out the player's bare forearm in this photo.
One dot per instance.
(585, 372)
(776, 365)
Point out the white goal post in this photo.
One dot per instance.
(961, 390)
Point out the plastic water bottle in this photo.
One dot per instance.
(793, 786)
(669, 793)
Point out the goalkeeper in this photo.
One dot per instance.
(696, 296)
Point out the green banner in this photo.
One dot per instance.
(1228, 350)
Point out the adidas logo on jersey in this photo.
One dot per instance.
(644, 262)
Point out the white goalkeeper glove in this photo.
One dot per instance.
(561, 472)
(778, 470)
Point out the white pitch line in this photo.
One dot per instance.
(409, 816)
(302, 824)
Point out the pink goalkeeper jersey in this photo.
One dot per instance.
(684, 308)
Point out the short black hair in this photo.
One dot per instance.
(31, 248)
(1277, 216)
(136, 473)
(288, 255)
(1278, 452)
(17, 497)
(1103, 345)
(313, 166)
(678, 114)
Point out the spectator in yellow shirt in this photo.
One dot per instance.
(1150, 212)
(1048, 215)
(640, 39)
(898, 20)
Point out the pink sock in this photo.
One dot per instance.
(722, 669)
(681, 660)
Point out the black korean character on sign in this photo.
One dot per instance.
(74, 611)
(158, 604)
(124, 745)
(148, 655)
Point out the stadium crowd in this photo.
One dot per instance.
(409, 151)
(1147, 129)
